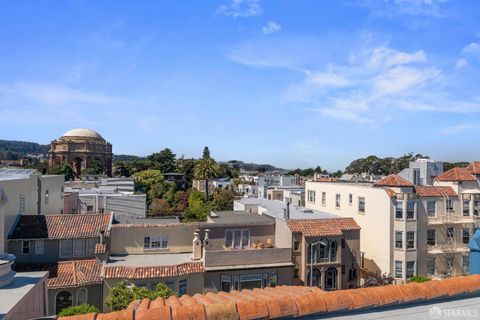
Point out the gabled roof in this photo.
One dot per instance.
(128, 272)
(322, 227)
(456, 174)
(393, 180)
(64, 226)
(74, 273)
(474, 167)
(434, 191)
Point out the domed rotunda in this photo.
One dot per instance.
(78, 147)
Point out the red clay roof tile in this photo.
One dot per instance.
(456, 174)
(126, 272)
(64, 226)
(74, 273)
(322, 227)
(474, 167)
(434, 191)
(393, 180)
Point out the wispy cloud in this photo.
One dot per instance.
(460, 128)
(471, 48)
(408, 7)
(461, 63)
(240, 8)
(271, 27)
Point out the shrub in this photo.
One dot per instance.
(77, 310)
(418, 279)
(122, 295)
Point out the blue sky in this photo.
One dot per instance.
(292, 83)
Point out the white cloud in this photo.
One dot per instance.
(241, 8)
(472, 48)
(402, 79)
(271, 27)
(389, 57)
(461, 63)
(326, 79)
(460, 128)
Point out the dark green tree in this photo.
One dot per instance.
(222, 199)
(95, 167)
(206, 169)
(206, 153)
(165, 160)
(77, 310)
(64, 169)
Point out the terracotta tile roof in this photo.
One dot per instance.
(74, 273)
(390, 192)
(192, 225)
(127, 272)
(393, 180)
(433, 191)
(64, 226)
(474, 167)
(456, 174)
(289, 301)
(322, 227)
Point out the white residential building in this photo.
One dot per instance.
(406, 229)
(275, 181)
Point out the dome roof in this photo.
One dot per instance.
(80, 132)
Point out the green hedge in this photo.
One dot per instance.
(76, 310)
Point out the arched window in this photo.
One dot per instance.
(320, 251)
(331, 279)
(333, 251)
(81, 296)
(315, 280)
(63, 300)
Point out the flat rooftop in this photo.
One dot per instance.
(237, 218)
(22, 284)
(275, 209)
(132, 219)
(149, 260)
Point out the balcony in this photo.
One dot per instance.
(248, 257)
(447, 247)
(451, 219)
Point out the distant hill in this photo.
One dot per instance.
(253, 166)
(14, 150)
(126, 157)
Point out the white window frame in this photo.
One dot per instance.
(21, 203)
(240, 240)
(350, 199)
(338, 199)
(161, 240)
(324, 198)
(429, 214)
(39, 247)
(401, 240)
(407, 240)
(28, 246)
(396, 270)
(364, 202)
(311, 196)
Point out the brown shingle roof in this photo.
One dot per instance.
(433, 191)
(456, 174)
(289, 301)
(65, 226)
(126, 272)
(74, 273)
(474, 167)
(322, 227)
(393, 180)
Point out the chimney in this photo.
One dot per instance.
(102, 232)
(206, 240)
(197, 246)
(287, 212)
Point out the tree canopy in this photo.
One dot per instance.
(381, 166)
(64, 169)
(164, 159)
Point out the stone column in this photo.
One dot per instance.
(6, 260)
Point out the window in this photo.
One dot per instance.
(324, 198)
(65, 248)
(331, 276)
(91, 243)
(160, 242)
(410, 209)
(226, 283)
(451, 262)
(416, 177)
(410, 239)
(21, 203)
(410, 269)
(250, 281)
(450, 204)
(431, 237)
(89, 208)
(182, 287)
(431, 208)
(361, 204)
(337, 200)
(431, 269)
(466, 235)
(63, 300)
(39, 247)
(320, 251)
(46, 196)
(399, 210)
(171, 285)
(398, 269)
(465, 264)
(350, 199)
(237, 238)
(398, 239)
(450, 234)
(26, 247)
(311, 196)
(296, 245)
(333, 251)
(78, 247)
(466, 207)
(81, 296)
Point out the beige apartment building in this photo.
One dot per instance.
(408, 230)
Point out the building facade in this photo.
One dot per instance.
(78, 148)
